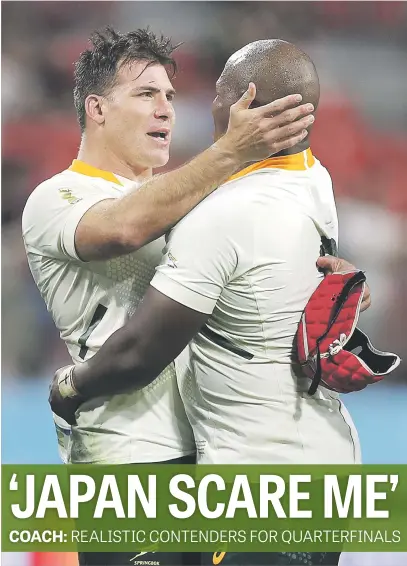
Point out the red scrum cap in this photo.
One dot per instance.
(331, 350)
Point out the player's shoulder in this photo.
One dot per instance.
(224, 206)
(50, 195)
(277, 184)
(239, 195)
(229, 208)
(64, 187)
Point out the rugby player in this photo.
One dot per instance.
(94, 233)
(226, 300)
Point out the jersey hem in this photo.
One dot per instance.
(129, 460)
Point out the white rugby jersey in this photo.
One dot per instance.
(247, 256)
(88, 302)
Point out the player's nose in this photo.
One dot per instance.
(164, 109)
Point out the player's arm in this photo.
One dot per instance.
(181, 296)
(117, 226)
(133, 356)
(161, 328)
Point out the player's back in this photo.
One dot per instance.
(88, 302)
(245, 395)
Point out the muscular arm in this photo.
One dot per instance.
(138, 352)
(135, 354)
(118, 226)
(115, 227)
(175, 307)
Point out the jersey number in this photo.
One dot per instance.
(96, 318)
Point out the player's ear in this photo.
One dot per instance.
(94, 106)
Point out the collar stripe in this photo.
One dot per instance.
(90, 171)
(295, 162)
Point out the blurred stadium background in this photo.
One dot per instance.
(360, 49)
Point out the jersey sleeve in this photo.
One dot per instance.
(202, 256)
(52, 214)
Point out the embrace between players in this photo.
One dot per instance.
(210, 265)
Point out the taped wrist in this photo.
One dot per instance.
(66, 385)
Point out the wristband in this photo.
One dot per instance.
(66, 385)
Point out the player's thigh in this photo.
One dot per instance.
(270, 558)
(131, 559)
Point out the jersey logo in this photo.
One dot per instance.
(172, 261)
(218, 557)
(135, 561)
(142, 554)
(66, 194)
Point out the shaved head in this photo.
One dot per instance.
(276, 67)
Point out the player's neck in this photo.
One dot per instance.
(302, 146)
(103, 158)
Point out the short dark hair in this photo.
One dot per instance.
(97, 67)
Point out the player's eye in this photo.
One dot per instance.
(170, 97)
(147, 93)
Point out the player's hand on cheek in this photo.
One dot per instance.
(258, 133)
(329, 264)
(63, 407)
